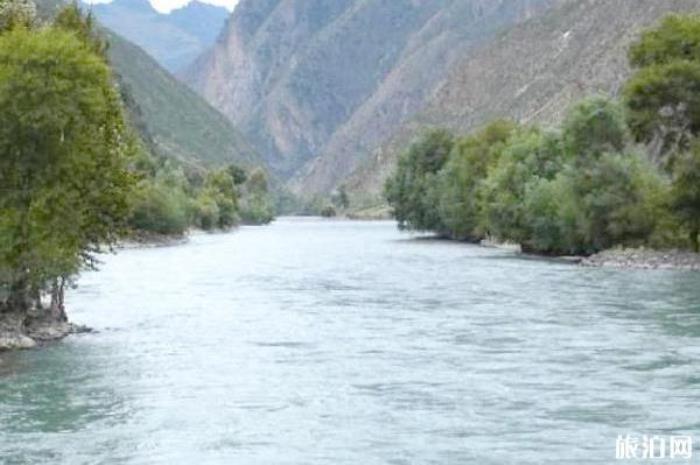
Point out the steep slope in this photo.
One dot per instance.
(531, 73)
(176, 39)
(174, 119)
(448, 36)
(306, 78)
(180, 122)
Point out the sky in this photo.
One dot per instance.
(165, 6)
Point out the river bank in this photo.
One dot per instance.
(26, 331)
(619, 258)
(645, 259)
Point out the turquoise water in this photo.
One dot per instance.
(338, 342)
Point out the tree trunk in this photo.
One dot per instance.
(694, 239)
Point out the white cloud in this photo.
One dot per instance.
(165, 6)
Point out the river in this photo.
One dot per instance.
(342, 342)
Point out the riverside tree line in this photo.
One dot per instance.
(615, 173)
(76, 176)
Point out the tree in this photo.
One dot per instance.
(611, 200)
(685, 193)
(457, 191)
(407, 191)
(17, 13)
(592, 127)
(529, 155)
(663, 97)
(64, 167)
(340, 198)
(70, 18)
(256, 202)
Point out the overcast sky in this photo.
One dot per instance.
(164, 6)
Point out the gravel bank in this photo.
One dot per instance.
(645, 259)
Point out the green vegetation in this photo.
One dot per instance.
(75, 176)
(581, 188)
(64, 169)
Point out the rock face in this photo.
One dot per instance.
(176, 39)
(25, 331)
(315, 84)
(532, 73)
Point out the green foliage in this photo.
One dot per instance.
(676, 38)
(664, 102)
(340, 198)
(17, 14)
(257, 206)
(610, 201)
(407, 191)
(575, 192)
(594, 126)
(663, 97)
(160, 208)
(71, 18)
(458, 187)
(529, 156)
(685, 193)
(65, 184)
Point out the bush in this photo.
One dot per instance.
(160, 208)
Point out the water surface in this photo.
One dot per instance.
(336, 342)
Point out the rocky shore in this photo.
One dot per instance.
(645, 259)
(21, 332)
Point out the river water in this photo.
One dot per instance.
(338, 342)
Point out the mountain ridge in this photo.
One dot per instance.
(174, 39)
(292, 74)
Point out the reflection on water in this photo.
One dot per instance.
(331, 342)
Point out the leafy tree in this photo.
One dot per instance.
(340, 198)
(663, 97)
(685, 193)
(457, 190)
(71, 18)
(219, 186)
(407, 191)
(612, 200)
(17, 13)
(256, 204)
(238, 174)
(594, 126)
(66, 148)
(676, 38)
(530, 155)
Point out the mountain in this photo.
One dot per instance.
(172, 118)
(314, 84)
(176, 39)
(181, 124)
(531, 73)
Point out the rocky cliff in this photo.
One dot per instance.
(315, 84)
